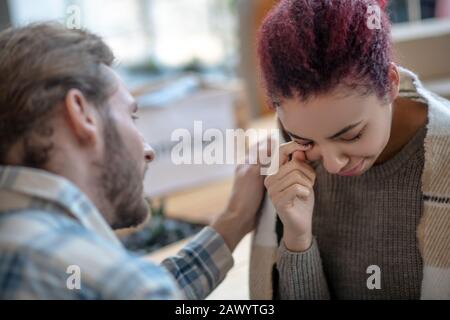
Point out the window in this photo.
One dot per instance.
(171, 33)
(414, 10)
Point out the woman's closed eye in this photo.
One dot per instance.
(306, 145)
(354, 138)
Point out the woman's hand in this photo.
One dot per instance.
(291, 192)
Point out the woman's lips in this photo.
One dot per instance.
(354, 171)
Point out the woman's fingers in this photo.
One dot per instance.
(295, 164)
(285, 198)
(295, 177)
(286, 149)
(287, 169)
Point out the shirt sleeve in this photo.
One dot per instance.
(105, 271)
(301, 276)
(201, 265)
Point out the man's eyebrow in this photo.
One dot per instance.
(341, 132)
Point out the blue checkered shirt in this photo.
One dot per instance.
(54, 244)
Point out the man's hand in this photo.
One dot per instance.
(240, 216)
(291, 192)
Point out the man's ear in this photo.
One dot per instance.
(82, 117)
(394, 82)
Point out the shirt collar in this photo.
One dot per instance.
(20, 187)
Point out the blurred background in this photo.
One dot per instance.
(188, 60)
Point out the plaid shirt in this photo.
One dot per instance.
(50, 233)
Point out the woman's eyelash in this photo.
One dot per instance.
(357, 137)
(305, 145)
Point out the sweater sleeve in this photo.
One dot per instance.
(301, 276)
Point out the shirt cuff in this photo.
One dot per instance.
(214, 243)
(213, 260)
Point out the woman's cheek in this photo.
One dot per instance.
(373, 143)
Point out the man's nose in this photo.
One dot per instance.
(149, 153)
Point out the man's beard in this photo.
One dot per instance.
(120, 182)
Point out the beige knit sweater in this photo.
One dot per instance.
(433, 232)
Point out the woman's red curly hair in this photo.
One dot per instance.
(308, 47)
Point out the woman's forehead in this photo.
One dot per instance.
(326, 113)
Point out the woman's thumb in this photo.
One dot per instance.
(299, 155)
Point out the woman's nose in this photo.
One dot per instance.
(332, 160)
(334, 164)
